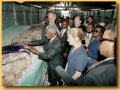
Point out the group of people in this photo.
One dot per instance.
(77, 46)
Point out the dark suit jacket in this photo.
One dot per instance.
(102, 75)
(44, 37)
(65, 44)
(43, 34)
(53, 53)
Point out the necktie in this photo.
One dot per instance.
(61, 33)
(58, 34)
(88, 36)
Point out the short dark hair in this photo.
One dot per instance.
(91, 17)
(101, 28)
(65, 21)
(71, 19)
(46, 16)
(92, 25)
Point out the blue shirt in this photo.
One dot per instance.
(77, 61)
(94, 49)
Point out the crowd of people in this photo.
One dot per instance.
(77, 45)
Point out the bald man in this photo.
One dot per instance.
(78, 23)
(104, 72)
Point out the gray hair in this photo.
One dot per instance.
(111, 27)
(52, 28)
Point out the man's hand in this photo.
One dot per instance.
(33, 50)
(87, 50)
(23, 44)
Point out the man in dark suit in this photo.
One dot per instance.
(88, 36)
(78, 23)
(53, 53)
(46, 21)
(65, 44)
(51, 19)
(103, 73)
(71, 23)
(89, 33)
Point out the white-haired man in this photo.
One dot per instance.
(51, 19)
(53, 53)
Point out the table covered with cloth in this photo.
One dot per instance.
(34, 75)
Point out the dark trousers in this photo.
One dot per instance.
(64, 62)
(53, 77)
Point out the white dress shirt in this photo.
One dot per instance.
(89, 35)
(52, 39)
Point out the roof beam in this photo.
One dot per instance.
(88, 7)
(49, 5)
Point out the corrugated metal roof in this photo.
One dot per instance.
(68, 5)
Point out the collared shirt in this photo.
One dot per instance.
(89, 35)
(108, 59)
(60, 24)
(51, 23)
(68, 27)
(63, 31)
(52, 38)
(96, 64)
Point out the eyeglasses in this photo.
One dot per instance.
(105, 39)
(96, 31)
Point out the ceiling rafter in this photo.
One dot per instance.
(79, 5)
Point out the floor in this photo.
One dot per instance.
(46, 83)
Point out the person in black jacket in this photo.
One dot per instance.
(71, 23)
(51, 18)
(104, 72)
(65, 44)
(53, 53)
(78, 23)
(46, 21)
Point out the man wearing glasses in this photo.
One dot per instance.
(103, 73)
(93, 48)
